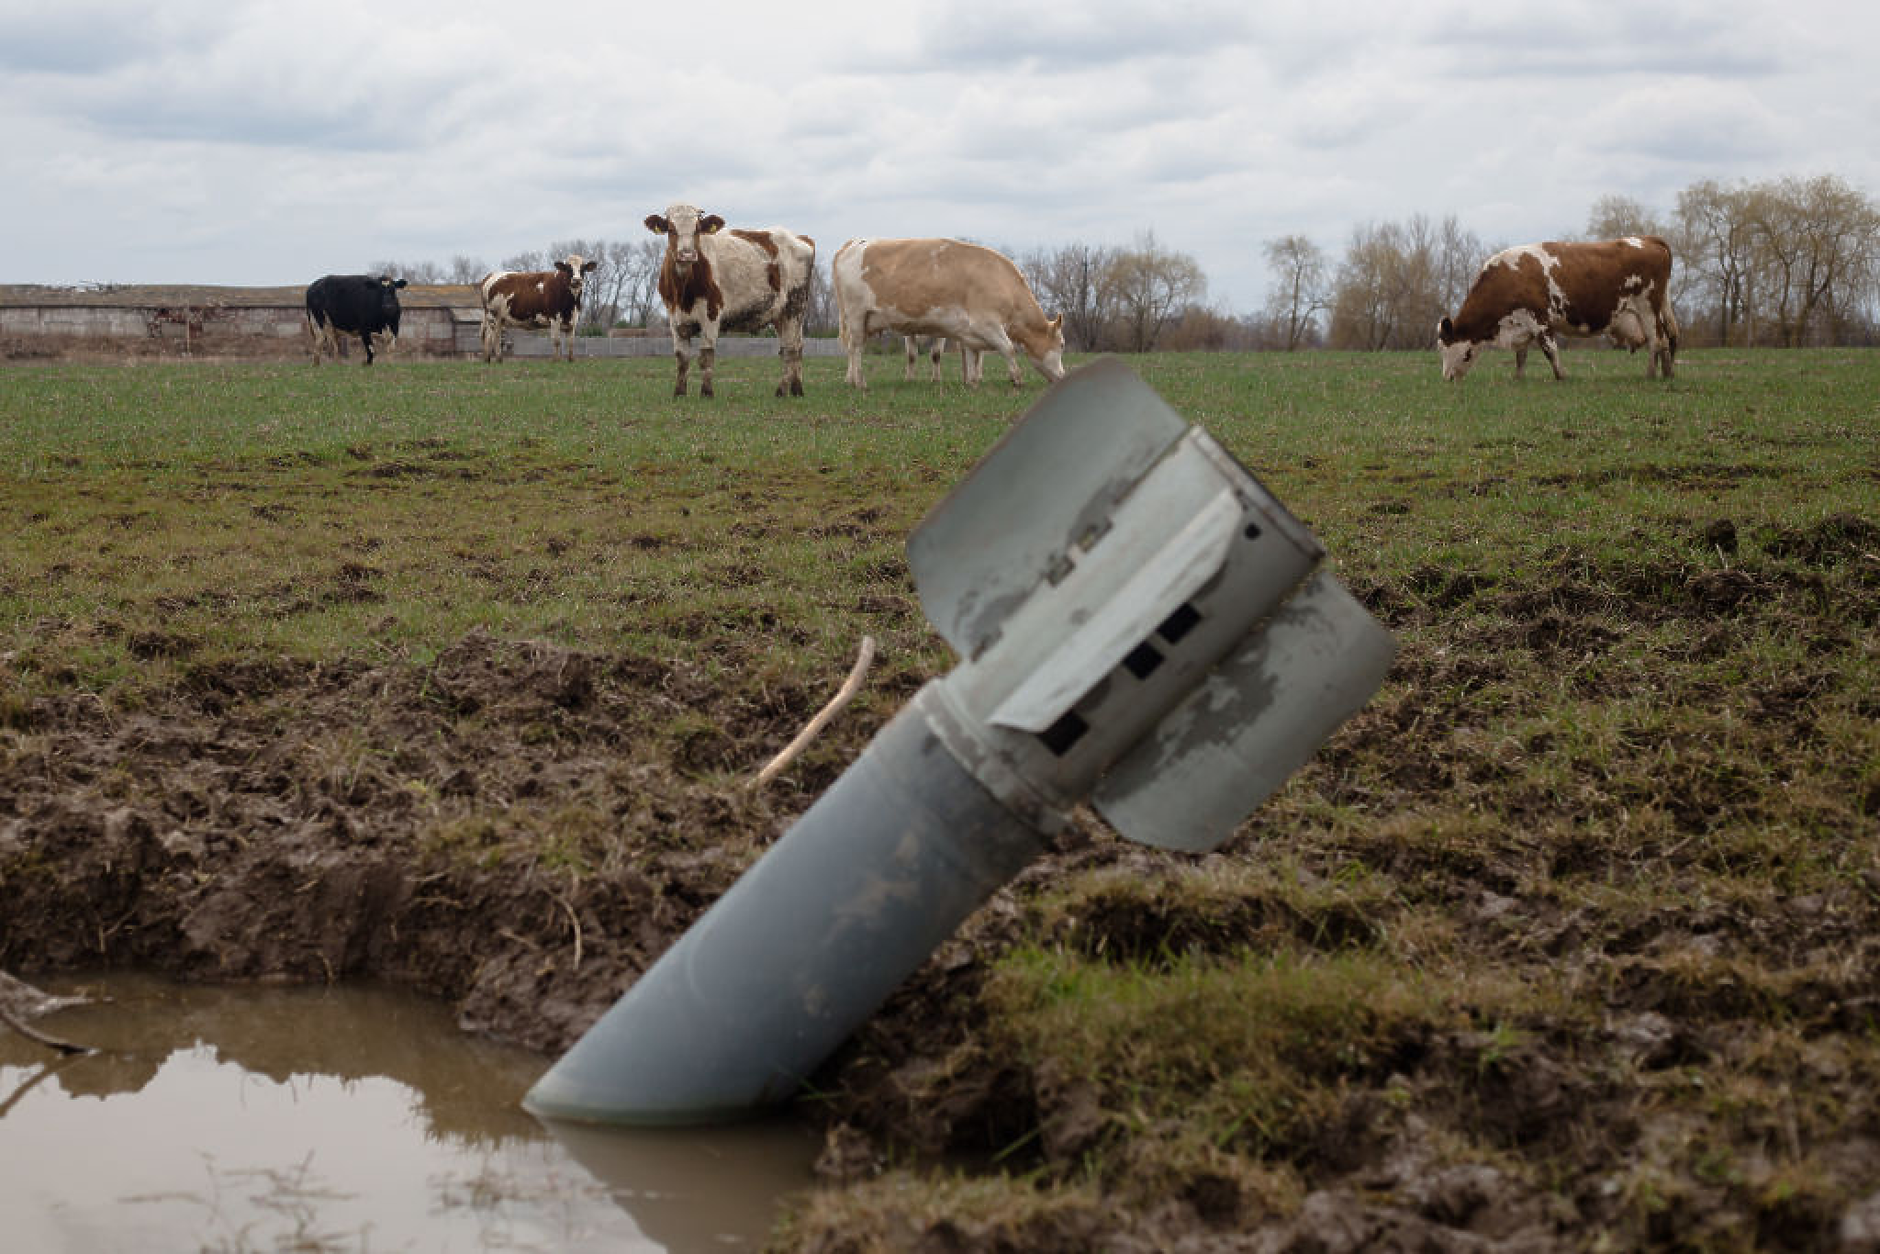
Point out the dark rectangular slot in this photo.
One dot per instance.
(1180, 623)
(1061, 735)
(1142, 660)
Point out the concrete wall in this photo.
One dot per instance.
(526, 346)
(245, 330)
(279, 331)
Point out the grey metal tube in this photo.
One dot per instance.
(803, 948)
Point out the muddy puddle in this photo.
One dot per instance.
(340, 1119)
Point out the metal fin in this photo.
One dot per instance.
(1053, 478)
(1263, 711)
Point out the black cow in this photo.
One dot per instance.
(353, 304)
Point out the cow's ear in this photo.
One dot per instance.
(711, 224)
(1444, 328)
(589, 266)
(657, 225)
(565, 268)
(398, 283)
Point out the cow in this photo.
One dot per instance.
(534, 300)
(1619, 288)
(969, 360)
(714, 280)
(352, 304)
(970, 294)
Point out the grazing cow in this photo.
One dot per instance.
(716, 280)
(1618, 288)
(972, 295)
(534, 299)
(352, 304)
(969, 360)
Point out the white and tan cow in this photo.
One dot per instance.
(1617, 288)
(534, 299)
(715, 280)
(972, 295)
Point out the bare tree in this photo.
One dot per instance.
(1614, 216)
(416, 272)
(464, 269)
(1149, 285)
(1815, 250)
(1069, 283)
(1397, 280)
(1299, 292)
(637, 264)
(821, 317)
(1715, 243)
(1459, 258)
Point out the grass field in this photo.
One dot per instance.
(1575, 931)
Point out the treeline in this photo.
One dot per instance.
(1786, 262)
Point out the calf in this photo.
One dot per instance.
(352, 304)
(534, 300)
(1618, 288)
(972, 295)
(714, 280)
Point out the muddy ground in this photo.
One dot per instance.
(268, 820)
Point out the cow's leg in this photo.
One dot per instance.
(365, 337)
(682, 353)
(1520, 359)
(1552, 349)
(911, 347)
(1668, 338)
(853, 337)
(792, 384)
(790, 340)
(319, 339)
(1009, 351)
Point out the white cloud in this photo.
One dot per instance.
(245, 142)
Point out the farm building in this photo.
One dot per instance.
(183, 321)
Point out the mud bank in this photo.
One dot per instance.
(519, 829)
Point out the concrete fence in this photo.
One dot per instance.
(529, 345)
(441, 321)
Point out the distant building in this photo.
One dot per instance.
(186, 321)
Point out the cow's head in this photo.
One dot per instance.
(682, 225)
(388, 300)
(1052, 360)
(575, 268)
(1458, 354)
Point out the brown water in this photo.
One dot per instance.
(339, 1119)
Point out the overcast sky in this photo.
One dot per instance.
(265, 143)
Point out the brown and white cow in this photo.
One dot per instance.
(1618, 288)
(534, 299)
(972, 295)
(715, 280)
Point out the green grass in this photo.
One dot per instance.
(1628, 761)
